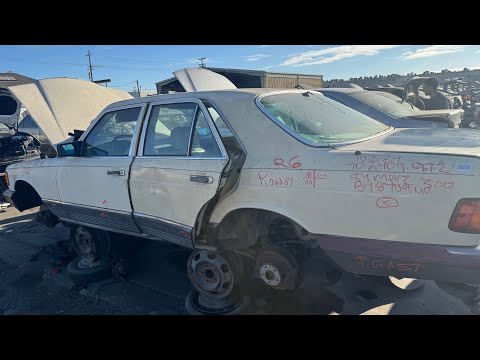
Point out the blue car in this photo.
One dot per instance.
(390, 110)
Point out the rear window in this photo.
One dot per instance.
(319, 120)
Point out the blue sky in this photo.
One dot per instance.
(149, 64)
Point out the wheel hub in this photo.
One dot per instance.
(270, 275)
(211, 274)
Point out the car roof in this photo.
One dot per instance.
(341, 90)
(199, 94)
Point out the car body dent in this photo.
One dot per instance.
(401, 186)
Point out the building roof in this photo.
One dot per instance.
(12, 79)
(263, 73)
(260, 73)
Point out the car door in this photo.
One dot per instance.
(93, 188)
(178, 170)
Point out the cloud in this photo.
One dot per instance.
(256, 57)
(433, 50)
(263, 46)
(325, 56)
(477, 51)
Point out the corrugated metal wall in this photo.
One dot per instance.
(289, 82)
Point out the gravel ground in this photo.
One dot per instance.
(34, 281)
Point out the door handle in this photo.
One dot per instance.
(116, 172)
(201, 179)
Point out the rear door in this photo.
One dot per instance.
(178, 170)
(93, 188)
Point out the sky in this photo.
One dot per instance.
(152, 63)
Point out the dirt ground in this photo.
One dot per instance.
(33, 280)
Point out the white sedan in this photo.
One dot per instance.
(254, 177)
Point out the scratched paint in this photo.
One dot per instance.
(390, 163)
(387, 264)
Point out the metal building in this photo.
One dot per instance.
(251, 79)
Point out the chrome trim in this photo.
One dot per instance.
(225, 121)
(169, 222)
(179, 157)
(190, 136)
(300, 138)
(70, 221)
(214, 130)
(114, 219)
(456, 250)
(165, 229)
(140, 152)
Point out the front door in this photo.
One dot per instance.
(178, 170)
(93, 188)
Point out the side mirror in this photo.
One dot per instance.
(70, 149)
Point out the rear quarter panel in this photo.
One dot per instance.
(375, 195)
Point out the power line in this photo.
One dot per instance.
(124, 85)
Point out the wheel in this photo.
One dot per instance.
(199, 304)
(90, 244)
(80, 270)
(216, 275)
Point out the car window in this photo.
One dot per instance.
(168, 130)
(382, 103)
(204, 143)
(112, 135)
(229, 140)
(318, 119)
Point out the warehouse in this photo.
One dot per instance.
(251, 79)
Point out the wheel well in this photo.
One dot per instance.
(243, 228)
(26, 197)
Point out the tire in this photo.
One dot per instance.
(98, 247)
(191, 306)
(82, 272)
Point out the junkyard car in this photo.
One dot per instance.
(392, 111)
(262, 178)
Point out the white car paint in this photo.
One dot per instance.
(402, 185)
(200, 79)
(60, 105)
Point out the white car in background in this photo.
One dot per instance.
(258, 179)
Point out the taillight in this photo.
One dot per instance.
(466, 217)
(6, 179)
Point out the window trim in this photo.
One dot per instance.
(302, 139)
(224, 119)
(107, 110)
(199, 107)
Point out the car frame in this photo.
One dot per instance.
(392, 203)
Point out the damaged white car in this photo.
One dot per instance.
(262, 179)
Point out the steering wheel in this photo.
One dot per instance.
(120, 146)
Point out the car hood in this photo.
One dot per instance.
(428, 141)
(453, 115)
(199, 79)
(60, 105)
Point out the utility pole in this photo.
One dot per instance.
(202, 64)
(138, 89)
(90, 67)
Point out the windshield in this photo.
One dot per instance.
(320, 120)
(383, 103)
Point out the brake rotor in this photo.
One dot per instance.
(278, 268)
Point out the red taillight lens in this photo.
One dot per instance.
(466, 217)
